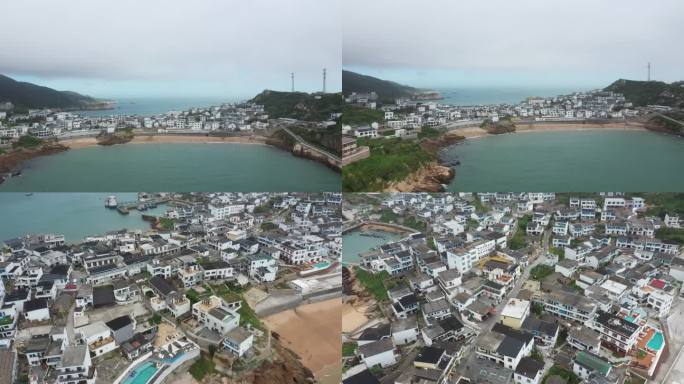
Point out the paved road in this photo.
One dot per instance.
(670, 119)
(487, 325)
(303, 142)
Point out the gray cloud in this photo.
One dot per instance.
(610, 36)
(158, 40)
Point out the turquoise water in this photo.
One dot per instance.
(630, 319)
(174, 167)
(321, 265)
(578, 161)
(74, 215)
(353, 244)
(656, 342)
(147, 106)
(142, 374)
(496, 95)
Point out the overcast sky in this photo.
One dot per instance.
(537, 42)
(172, 48)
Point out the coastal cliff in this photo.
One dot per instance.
(283, 141)
(429, 178)
(432, 176)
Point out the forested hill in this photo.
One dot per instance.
(27, 95)
(643, 93)
(299, 105)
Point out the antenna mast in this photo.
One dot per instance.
(649, 71)
(292, 81)
(324, 80)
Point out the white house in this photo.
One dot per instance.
(379, 352)
(36, 310)
(238, 341)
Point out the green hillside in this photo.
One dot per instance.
(643, 93)
(28, 95)
(299, 105)
(387, 91)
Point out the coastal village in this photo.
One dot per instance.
(408, 117)
(522, 288)
(195, 293)
(235, 118)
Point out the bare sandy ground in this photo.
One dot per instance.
(382, 228)
(182, 378)
(312, 331)
(476, 132)
(353, 317)
(83, 142)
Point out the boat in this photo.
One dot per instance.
(29, 194)
(111, 202)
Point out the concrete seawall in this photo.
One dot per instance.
(297, 300)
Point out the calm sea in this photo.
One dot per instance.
(148, 106)
(174, 167)
(575, 161)
(496, 95)
(74, 215)
(354, 243)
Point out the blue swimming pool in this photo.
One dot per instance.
(321, 265)
(141, 374)
(656, 342)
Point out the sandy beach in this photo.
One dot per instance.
(312, 331)
(476, 132)
(353, 317)
(83, 142)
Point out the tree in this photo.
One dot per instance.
(537, 355)
(537, 309)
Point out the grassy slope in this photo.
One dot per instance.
(390, 160)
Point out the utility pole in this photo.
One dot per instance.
(292, 81)
(649, 71)
(323, 80)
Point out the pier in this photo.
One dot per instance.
(353, 226)
(126, 207)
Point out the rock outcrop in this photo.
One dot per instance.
(430, 178)
(12, 160)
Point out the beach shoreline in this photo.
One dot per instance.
(476, 132)
(85, 142)
(312, 331)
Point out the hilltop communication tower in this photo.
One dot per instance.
(649, 71)
(292, 81)
(324, 80)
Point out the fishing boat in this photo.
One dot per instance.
(111, 202)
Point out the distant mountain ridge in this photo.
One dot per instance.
(387, 90)
(643, 93)
(27, 95)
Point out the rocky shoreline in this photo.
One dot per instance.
(114, 139)
(12, 161)
(432, 176)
